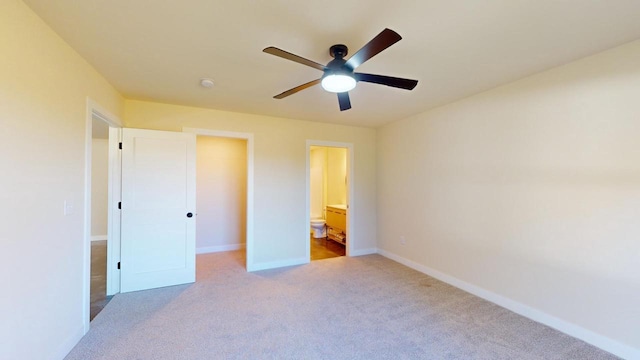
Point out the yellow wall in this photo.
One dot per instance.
(318, 182)
(99, 187)
(336, 176)
(221, 199)
(280, 211)
(44, 86)
(528, 194)
(328, 178)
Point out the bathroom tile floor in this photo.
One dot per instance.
(325, 249)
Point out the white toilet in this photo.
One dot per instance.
(319, 231)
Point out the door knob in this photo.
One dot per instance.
(189, 215)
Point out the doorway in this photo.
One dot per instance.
(99, 215)
(221, 194)
(115, 197)
(329, 186)
(101, 221)
(239, 235)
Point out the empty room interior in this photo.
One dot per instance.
(327, 180)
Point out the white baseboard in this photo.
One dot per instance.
(98, 237)
(277, 264)
(588, 336)
(219, 248)
(67, 345)
(362, 252)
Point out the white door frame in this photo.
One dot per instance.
(250, 159)
(351, 206)
(97, 111)
(114, 197)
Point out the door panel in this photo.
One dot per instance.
(158, 190)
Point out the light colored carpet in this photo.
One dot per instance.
(342, 308)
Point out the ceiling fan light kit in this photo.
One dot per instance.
(337, 83)
(339, 76)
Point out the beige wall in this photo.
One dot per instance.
(221, 175)
(328, 178)
(280, 205)
(336, 176)
(44, 86)
(99, 187)
(531, 192)
(317, 178)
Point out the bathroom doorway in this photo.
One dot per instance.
(328, 189)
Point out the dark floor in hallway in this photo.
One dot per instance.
(99, 296)
(324, 248)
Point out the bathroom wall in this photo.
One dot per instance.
(221, 194)
(328, 178)
(336, 176)
(317, 187)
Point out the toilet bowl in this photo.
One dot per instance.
(319, 231)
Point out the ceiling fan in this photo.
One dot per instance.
(339, 76)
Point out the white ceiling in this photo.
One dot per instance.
(158, 50)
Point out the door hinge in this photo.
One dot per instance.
(119, 204)
(120, 146)
(118, 265)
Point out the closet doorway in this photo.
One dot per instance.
(224, 193)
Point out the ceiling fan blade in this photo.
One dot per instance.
(343, 100)
(401, 83)
(297, 88)
(382, 41)
(289, 56)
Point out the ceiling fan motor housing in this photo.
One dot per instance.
(337, 65)
(338, 51)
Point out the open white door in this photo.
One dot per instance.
(158, 209)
